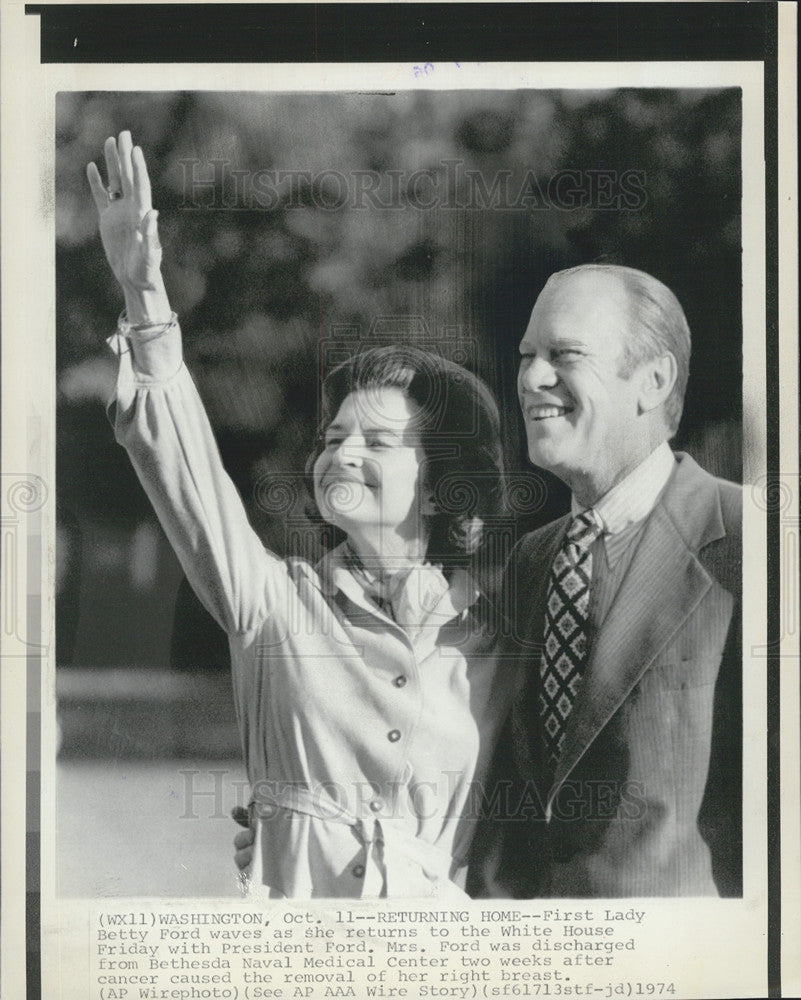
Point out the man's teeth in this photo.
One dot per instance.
(542, 412)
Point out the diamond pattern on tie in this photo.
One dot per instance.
(565, 636)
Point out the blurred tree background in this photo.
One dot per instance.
(297, 225)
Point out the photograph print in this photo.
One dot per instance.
(399, 443)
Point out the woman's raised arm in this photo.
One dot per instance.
(159, 417)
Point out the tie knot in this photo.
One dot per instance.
(583, 530)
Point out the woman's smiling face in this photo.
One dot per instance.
(369, 474)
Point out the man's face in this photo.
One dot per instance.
(580, 413)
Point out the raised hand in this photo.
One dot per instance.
(128, 229)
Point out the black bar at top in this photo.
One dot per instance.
(352, 32)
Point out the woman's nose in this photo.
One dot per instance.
(349, 452)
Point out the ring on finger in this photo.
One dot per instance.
(114, 195)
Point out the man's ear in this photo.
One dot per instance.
(656, 380)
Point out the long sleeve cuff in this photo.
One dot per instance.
(154, 360)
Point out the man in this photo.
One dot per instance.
(620, 771)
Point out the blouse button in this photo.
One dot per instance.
(393, 735)
(375, 805)
(358, 871)
(399, 681)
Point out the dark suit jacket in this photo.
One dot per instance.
(647, 799)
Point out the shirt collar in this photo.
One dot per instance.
(631, 500)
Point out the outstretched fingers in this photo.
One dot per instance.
(112, 167)
(127, 175)
(124, 147)
(99, 192)
(141, 181)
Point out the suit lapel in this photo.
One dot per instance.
(532, 581)
(663, 585)
(525, 595)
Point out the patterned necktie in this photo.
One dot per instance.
(565, 634)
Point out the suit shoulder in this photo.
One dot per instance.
(731, 505)
(707, 512)
(724, 557)
(716, 495)
(532, 541)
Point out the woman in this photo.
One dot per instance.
(368, 689)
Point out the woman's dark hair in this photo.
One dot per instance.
(460, 435)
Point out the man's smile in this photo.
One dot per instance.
(545, 411)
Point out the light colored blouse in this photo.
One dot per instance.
(366, 742)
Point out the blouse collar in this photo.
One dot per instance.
(418, 595)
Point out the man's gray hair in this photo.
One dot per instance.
(658, 326)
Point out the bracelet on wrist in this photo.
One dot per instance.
(143, 332)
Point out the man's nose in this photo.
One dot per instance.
(536, 373)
